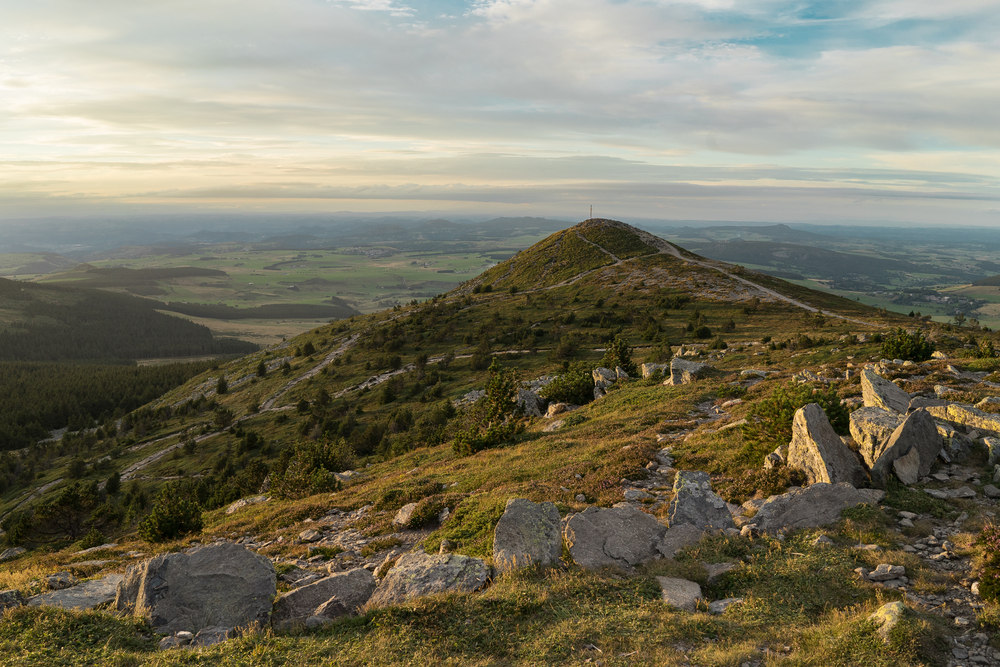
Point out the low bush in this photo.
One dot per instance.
(898, 344)
(575, 386)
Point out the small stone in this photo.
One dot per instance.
(580, 498)
(310, 535)
(822, 541)
(887, 617)
(908, 515)
(404, 515)
(720, 606)
(906, 523)
(636, 495)
(963, 492)
(991, 491)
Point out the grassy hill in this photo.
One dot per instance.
(382, 395)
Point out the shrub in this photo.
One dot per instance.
(92, 539)
(575, 386)
(492, 420)
(772, 423)
(171, 517)
(308, 468)
(261, 369)
(221, 387)
(898, 344)
(989, 580)
(702, 332)
(618, 353)
(718, 344)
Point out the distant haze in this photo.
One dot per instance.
(699, 110)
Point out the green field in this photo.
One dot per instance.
(382, 278)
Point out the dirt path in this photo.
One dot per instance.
(312, 372)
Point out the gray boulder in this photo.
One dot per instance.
(337, 595)
(683, 371)
(871, 428)
(531, 404)
(680, 593)
(404, 515)
(677, 537)
(648, 370)
(527, 534)
(10, 599)
(89, 594)
(619, 537)
(695, 503)
(880, 393)
(819, 451)
(907, 468)
(604, 377)
(220, 585)
(419, 574)
(13, 552)
(815, 505)
(917, 432)
(60, 581)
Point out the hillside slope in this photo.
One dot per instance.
(382, 400)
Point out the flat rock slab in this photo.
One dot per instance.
(87, 595)
(527, 534)
(815, 505)
(419, 574)
(619, 537)
(680, 593)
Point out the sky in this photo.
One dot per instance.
(753, 110)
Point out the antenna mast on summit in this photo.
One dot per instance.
(591, 211)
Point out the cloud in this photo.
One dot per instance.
(163, 96)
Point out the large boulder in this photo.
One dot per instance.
(683, 371)
(531, 403)
(345, 592)
(917, 432)
(871, 428)
(620, 537)
(419, 574)
(880, 393)
(527, 534)
(695, 503)
(820, 452)
(811, 506)
(222, 585)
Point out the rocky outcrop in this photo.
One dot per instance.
(620, 537)
(220, 585)
(880, 393)
(819, 451)
(419, 574)
(970, 417)
(695, 503)
(337, 595)
(527, 534)
(603, 378)
(683, 371)
(871, 428)
(917, 432)
(811, 506)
